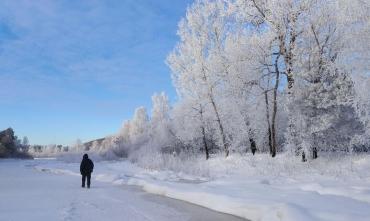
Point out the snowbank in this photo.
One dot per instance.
(255, 188)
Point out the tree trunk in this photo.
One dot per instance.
(205, 142)
(253, 145)
(274, 111)
(218, 119)
(251, 135)
(268, 121)
(252, 142)
(204, 134)
(286, 49)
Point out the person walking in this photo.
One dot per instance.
(86, 168)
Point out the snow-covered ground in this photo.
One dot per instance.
(257, 188)
(30, 194)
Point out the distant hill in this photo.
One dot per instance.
(89, 144)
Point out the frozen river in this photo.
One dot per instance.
(28, 194)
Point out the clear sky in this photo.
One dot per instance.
(77, 69)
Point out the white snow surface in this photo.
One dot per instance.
(49, 190)
(256, 188)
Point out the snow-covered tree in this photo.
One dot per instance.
(267, 75)
(309, 38)
(78, 146)
(25, 141)
(160, 129)
(139, 126)
(194, 66)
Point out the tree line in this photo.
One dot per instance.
(264, 76)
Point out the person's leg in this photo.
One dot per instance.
(83, 180)
(88, 180)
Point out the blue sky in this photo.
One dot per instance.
(76, 69)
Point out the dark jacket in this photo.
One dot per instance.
(86, 166)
